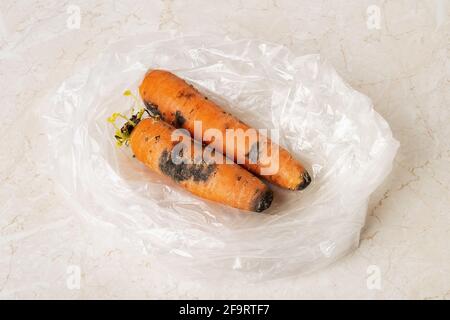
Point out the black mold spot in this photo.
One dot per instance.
(184, 94)
(263, 201)
(184, 171)
(153, 109)
(180, 153)
(253, 154)
(239, 178)
(179, 120)
(157, 138)
(306, 180)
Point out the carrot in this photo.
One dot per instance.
(180, 104)
(229, 184)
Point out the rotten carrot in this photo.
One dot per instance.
(180, 104)
(152, 143)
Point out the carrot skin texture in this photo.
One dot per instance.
(181, 104)
(229, 184)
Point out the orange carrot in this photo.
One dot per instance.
(181, 104)
(152, 143)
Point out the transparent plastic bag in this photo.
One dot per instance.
(346, 146)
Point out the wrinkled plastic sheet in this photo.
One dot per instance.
(346, 146)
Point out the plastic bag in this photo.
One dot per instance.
(347, 147)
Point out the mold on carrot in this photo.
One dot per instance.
(179, 119)
(184, 171)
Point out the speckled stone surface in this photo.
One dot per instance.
(396, 52)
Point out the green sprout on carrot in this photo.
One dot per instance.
(122, 134)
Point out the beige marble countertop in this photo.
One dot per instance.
(396, 52)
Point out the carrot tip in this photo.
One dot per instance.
(263, 201)
(306, 180)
